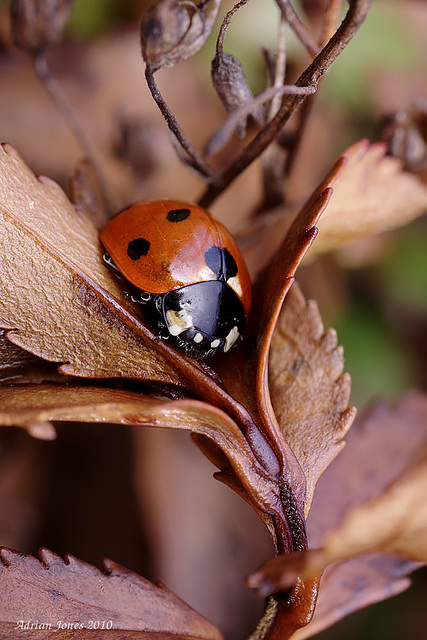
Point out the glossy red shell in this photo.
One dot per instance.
(176, 247)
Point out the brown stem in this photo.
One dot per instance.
(286, 613)
(304, 118)
(64, 107)
(224, 133)
(298, 27)
(329, 26)
(272, 158)
(225, 24)
(331, 20)
(192, 156)
(311, 76)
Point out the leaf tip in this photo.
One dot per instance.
(6, 555)
(48, 558)
(42, 430)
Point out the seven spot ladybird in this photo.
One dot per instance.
(186, 266)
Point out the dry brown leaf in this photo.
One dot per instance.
(347, 587)
(17, 365)
(68, 307)
(389, 512)
(57, 254)
(31, 405)
(371, 195)
(394, 523)
(247, 375)
(72, 591)
(309, 392)
(383, 443)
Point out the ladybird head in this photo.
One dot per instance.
(204, 318)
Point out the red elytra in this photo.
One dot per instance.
(163, 245)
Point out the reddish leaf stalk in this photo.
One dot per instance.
(311, 76)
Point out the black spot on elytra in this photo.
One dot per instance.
(138, 248)
(178, 215)
(221, 262)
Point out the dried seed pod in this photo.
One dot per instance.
(402, 133)
(38, 24)
(232, 86)
(173, 30)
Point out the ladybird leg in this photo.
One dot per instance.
(162, 332)
(142, 297)
(107, 259)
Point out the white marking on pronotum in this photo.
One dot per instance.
(234, 283)
(215, 343)
(178, 321)
(205, 274)
(198, 338)
(231, 339)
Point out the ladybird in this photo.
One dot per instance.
(186, 266)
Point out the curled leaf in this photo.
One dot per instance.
(38, 25)
(31, 405)
(73, 591)
(17, 365)
(173, 30)
(372, 195)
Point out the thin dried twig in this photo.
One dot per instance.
(311, 76)
(329, 26)
(64, 107)
(223, 134)
(272, 158)
(194, 159)
(298, 27)
(331, 20)
(225, 24)
(280, 68)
